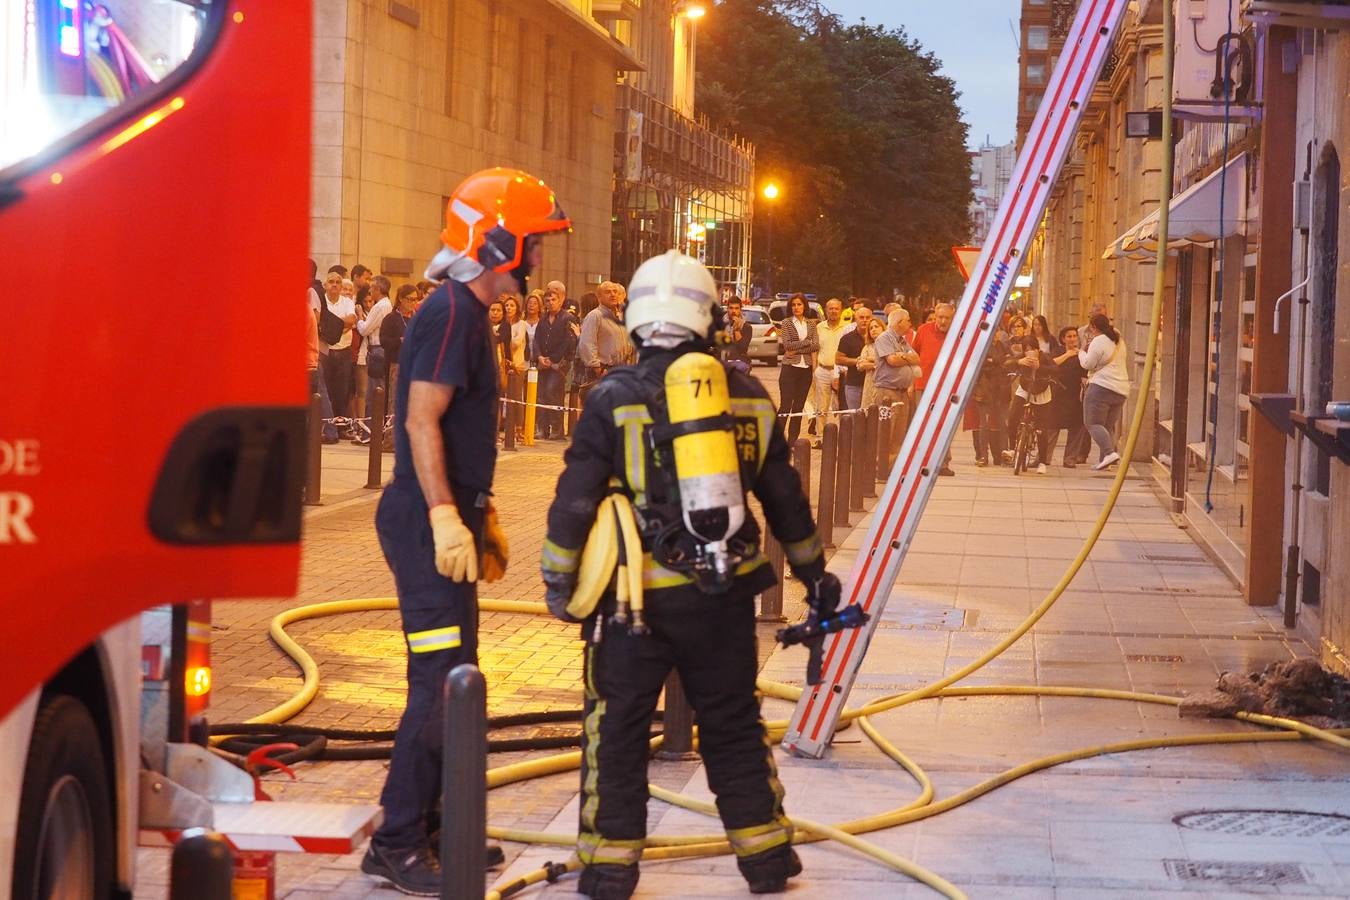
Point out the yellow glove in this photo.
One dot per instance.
(496, 553)
(455, 556)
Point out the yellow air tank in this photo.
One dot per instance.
(706, 465)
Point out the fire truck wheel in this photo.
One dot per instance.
(65, 836)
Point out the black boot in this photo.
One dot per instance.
(768, 872)
(608, 881)
(414, 871)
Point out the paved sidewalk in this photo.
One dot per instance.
(1149, 613)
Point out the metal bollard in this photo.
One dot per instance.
(202, 867)
(771, 601)
(531, 398)
(801, 461)
(829, 464)
(867, 461)
(573, 403)
(843, 484)
(860, 465)
(374, 477)
(677, 725)
(464, 784)
(512, 410)
(314, 452)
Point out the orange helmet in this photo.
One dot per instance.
(492, 213)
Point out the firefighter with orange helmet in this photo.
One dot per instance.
(435, 521)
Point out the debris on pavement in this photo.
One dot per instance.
(1297, 689)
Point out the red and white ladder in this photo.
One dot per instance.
(936, 421)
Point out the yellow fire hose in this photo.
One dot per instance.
(924, 806)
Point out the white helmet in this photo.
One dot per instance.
(671, 289)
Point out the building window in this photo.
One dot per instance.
(452, 15)
(1038, 37)
(1326, 261)
(551, 76)
(522, 79)
(1036, 73)
(1032, 102)
(578, 110)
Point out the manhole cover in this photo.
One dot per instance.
(1267, 823)
(1152, 657)
(1241, 873)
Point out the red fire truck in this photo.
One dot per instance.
(154, 169)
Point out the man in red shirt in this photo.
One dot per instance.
(928, 340)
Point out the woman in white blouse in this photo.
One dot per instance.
(1106, 361)
(798, 338)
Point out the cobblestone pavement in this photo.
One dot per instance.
(531, 664)
(1149, 612)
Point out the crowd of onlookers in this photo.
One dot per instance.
(857, 354)
(357, 331)
(1074, 380)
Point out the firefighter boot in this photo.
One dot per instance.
(608, 881)
(414, 871)
(768, 872)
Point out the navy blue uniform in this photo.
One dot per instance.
(446, 343)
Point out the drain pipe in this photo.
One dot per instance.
(1293, 553)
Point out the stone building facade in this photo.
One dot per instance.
(1253, 342)
(411, 96)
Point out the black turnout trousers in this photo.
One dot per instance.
(710, 641)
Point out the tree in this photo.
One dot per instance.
(863, 132)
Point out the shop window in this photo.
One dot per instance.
(64, 64)
(1322, 338)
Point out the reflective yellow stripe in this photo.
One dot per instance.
(656, 576)
(556, 558)
(433, 640)
(634, 419)
(592, 849)
(749, 841)
(758, 838)
(765, 416)
(590, 805)
(807, 550)
(199, 632)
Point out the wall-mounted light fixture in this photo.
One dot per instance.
(1146, 124)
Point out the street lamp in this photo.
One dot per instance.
(691, 9)
(770, 192)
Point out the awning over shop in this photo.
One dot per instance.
(1195, 215)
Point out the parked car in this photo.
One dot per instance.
(763, 335)
(778, 309)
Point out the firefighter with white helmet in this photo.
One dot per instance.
(652, 548)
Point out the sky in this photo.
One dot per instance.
(974, 42)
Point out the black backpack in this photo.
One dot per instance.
(330, 326)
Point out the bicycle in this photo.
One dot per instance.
(1026, 442)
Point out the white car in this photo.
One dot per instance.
(763, 335)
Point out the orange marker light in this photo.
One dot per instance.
(198, 681)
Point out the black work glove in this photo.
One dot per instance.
(560, 587)
(823, 594)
